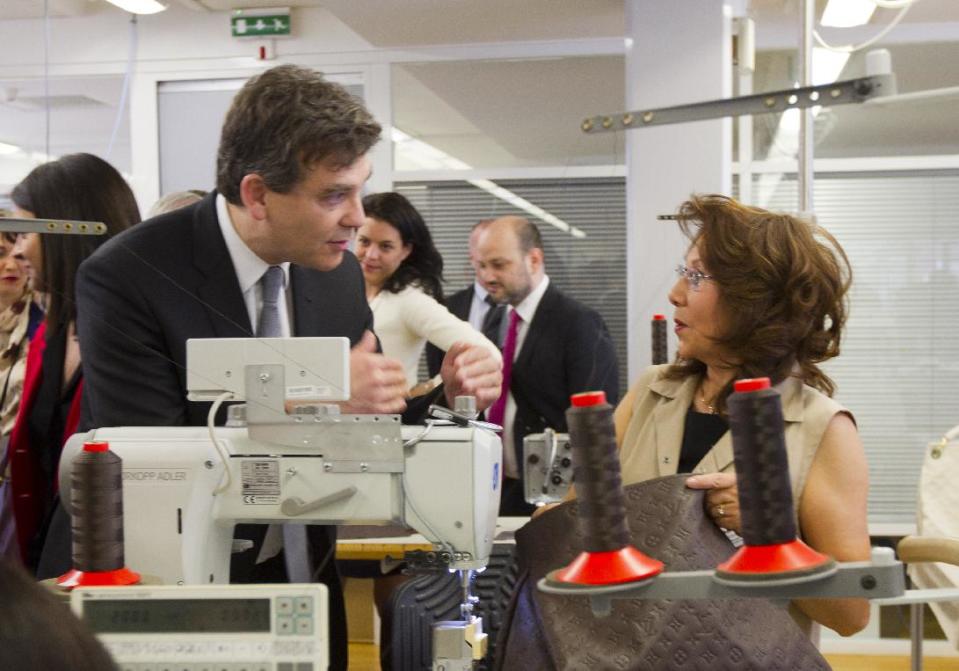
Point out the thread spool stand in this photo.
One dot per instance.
(608, 558)
(97, 486)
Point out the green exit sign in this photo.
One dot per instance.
(246, 23)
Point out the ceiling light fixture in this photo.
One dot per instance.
(847, 13)
(139, 6)
(7, 149)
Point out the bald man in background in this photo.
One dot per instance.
(556, 345)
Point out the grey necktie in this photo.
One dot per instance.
(271, 283)
(295, 548)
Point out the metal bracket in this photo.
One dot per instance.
(59, 226)
(339, 438)
(547, 467)
(824, 95)
(881, 578)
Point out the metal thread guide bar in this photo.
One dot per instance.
(58, 226)
(824, 95)
(880, 578)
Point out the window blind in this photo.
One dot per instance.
(898, 371)
(900, 356)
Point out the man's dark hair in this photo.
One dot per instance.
(285, 120)
(80, 187)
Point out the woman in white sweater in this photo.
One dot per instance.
(403, 272)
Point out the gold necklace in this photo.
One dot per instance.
(710, 409)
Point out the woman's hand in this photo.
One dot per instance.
(472, 371)
(721, 500)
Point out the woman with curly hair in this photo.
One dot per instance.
(759, 294)
(403, 272)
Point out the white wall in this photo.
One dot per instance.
(665, 164)
(98, 43)
(180, 44)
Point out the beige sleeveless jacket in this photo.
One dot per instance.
(654, 435)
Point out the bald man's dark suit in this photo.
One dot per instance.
(567, 350)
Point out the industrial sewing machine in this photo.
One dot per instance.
(186, 488)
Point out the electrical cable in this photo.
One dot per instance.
(46, 78)
(245, 329)
(211, 416)
(121, 107)
(103, 321)
(409, 499)
(882, 33)
(420, 436)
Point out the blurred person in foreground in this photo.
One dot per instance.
(39, 631)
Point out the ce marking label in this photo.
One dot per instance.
(258, 500)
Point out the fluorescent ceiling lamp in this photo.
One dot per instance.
(427, 157)
(827, 65)
(847, 13)
(139, 6)
(7, 149)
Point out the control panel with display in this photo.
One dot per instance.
(209, 627)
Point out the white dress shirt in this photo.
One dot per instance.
(249, 269)
(479, 307)
(526, 310)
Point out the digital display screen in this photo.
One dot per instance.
(177, 616)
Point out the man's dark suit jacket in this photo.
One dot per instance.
(145, 292)
(567, 350)
(459, 304)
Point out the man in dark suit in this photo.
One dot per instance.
(290, 170)
(472, 304)
(554, 346)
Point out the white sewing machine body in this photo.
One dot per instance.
(446, 487)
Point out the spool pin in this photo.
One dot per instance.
(608, 558)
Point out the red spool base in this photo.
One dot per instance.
(609, 568)
(757, 561)
(74, 578)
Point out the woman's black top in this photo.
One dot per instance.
(701, 433)
(48, 419)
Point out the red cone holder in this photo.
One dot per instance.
(772, 561)
(77, 578)
(609, 568)
(121, 576)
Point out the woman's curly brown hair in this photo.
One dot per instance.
(782, 283)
